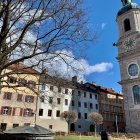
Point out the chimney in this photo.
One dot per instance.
(45, 71)
(74, 79)
(94, 83)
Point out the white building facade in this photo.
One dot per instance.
(67, 97)
(128, 20)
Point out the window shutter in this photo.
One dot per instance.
(13, 112)
(24, 111)
(21, 112)
(1, 112)
(10, 111)
(31, 113)
(26, 97)
(33, 99)
(4, 97)
(34, 84)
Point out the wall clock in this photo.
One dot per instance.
(129, 43)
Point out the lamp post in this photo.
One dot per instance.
(117, 123)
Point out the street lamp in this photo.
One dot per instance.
(117, 123)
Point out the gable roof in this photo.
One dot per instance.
(30, 129)
(21, 67)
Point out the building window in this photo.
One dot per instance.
(3, 126)
(15, 125)
(96, 106)
(49, 113)
(42, 98)
(50, 126)
(22, 82)
(79, 115)
(85, 95)
(6, 110)
(43, 86)
(58, 101)
(59, 89)
(26, 124)
(73, 91)
(7, 95)
(66, 91)
(31, 84)
(58, 113)
(90, 95)
(91, 105)
(133, 70)
(50, 100)
(136, 94)
(85, 104)
(96, 96)
(28, 112)
(127, 26)
(12, 80)
(79, 126)
(79, 93)
(51, 88)
(29, 99)
(66, 101)
(40, 112)
(19, 97)
(79, 104)
(85, 115)
(72, 102)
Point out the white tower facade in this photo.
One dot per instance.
(128, 20)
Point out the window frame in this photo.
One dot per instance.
(135, 98)
(29, 99)
(7, 95)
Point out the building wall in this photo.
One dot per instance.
(112, 110)
(74, 97)
(128, 55)
(17, 108)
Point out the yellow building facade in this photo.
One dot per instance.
(18, 97)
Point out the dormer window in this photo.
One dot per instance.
(127, 26)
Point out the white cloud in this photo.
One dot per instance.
(102, 67)
(73, 67)
(103, 25)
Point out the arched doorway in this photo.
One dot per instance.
(72, 127)
(92, 128)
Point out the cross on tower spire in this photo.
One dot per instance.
(125, 2)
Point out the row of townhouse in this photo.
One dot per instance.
(111, 107)
(59, 95)
(34, 98)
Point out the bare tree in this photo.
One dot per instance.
(96, 119)
(69, 117)
(37, 31)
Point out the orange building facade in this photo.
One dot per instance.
(112, 110)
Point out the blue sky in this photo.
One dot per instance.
(102, 17)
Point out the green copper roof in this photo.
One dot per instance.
(125, 2)
(127, 7)
(34, 130)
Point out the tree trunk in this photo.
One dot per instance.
(95, 129)
(68, 128)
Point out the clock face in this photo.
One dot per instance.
(129, 44)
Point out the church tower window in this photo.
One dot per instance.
(136, 94)
(133, 70)
(127, 26)
(125, 1)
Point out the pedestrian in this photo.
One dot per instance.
(104, 135)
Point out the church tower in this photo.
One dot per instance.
(128, 20)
